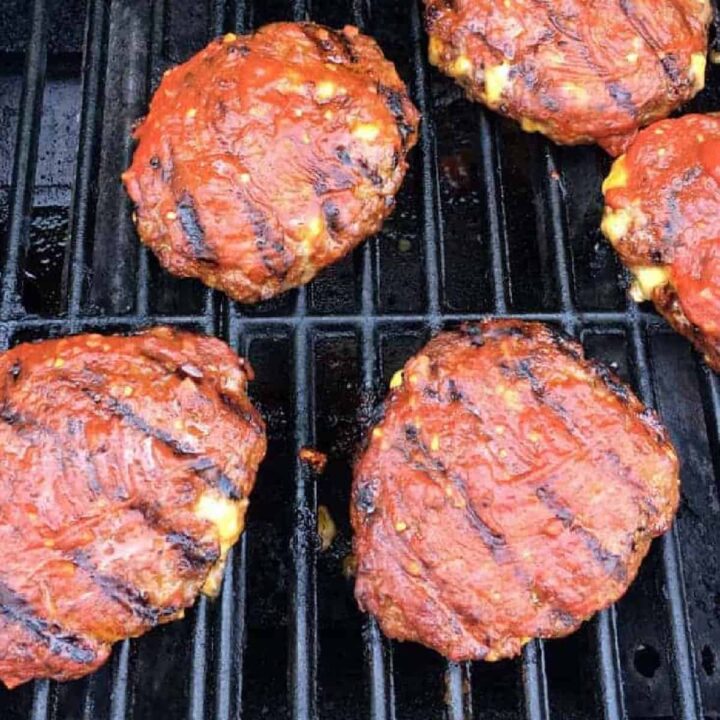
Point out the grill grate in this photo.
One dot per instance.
(651, 656)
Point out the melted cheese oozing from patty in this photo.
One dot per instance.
(698, 64)
(647, 279)
(228, 518)
(497, 78)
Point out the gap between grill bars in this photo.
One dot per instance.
(222, 317)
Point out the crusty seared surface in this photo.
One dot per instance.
(662, 202)
(579, 71)
(126, 468)
(266, 157)
(511, 491)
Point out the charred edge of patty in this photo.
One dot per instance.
(336, 48)
(361, 166)
(58, 640)
(565, 344)
(364, 496)
(332, 213)
(395, 102)
(668, 304)
(478, 333)
(250, 417)
(123, 593)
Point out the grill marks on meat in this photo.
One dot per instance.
(668, 63)
(514, 483)
(255, 148)
(270, 244)
(584, 73)
(117, 531)
(193, 229)
(610, 562)
(123, 593)
(59, 642)
(659, 199)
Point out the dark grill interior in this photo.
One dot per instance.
(490, 221)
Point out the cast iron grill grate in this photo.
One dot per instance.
(490, 221)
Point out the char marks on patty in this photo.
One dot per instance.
(256, 147)
(142, 451)
(661, 199)
(579, 72)
(510, 491)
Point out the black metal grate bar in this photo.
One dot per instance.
(303, 630)
(156, 42)
(41, 700)
(609, 668)
(459, 698)
(534, 677)
(26, 147)
(432, 231)
(554, 205)
(495, 220)
(609, 320)
(91, 115)
(432, 224)
(231, 636)
(686, 695)
(378, 650)
(610, 676)
(120, 682)
(199, 662)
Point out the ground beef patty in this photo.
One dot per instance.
(662, 204)
(511, 491)
(126, 469)
(266, 157)
(578, 71)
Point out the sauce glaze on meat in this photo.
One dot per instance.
(511, 491)
(266, 157)
(662, 204)
(579, 71)
(126, 470)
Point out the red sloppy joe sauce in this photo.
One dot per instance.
(674, 182)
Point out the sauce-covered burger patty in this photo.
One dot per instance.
(266, 157)
(126, 468)
(577, 71)
(662, 204)
(511, 491)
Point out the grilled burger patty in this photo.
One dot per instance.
(662, 202)
(511, 491)
(577, 71)
(266, 157)
(126, 470)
